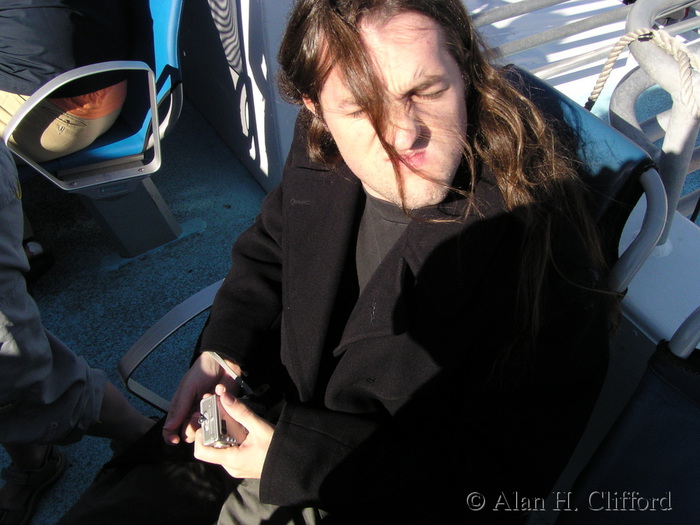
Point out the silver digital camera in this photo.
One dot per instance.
(213, 425)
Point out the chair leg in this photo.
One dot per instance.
(133, 214)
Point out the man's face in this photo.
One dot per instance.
(427, 114)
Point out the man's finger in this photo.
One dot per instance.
(236, 408)
(211, 454)
(191, 428)
(175, 418)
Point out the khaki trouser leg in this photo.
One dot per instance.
(243, 507)
(48, 132)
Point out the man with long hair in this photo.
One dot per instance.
(426, 279)
(425, 282)
(420, 309)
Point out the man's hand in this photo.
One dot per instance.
(247, 459)
(199, 380)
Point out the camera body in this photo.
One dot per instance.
(213, 425)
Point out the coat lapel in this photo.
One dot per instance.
(322, 209)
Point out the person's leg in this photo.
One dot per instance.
(34, 467)
(163, 485)
(56, 134)
(9, 104)
(27, 456)
(48, 132)
(48, 394)
(25, 351)
(119, 420)
(243, 507)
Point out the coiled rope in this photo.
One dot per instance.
(687, 61)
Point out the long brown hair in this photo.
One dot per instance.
(505, 132)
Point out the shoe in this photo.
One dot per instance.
(36, 481)
(39, 260)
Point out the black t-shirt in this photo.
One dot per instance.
(40, 39)
(381, 225)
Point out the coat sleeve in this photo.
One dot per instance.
(351, 464)
(308, 444)
(245, 319)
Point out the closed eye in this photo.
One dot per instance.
(430, 96)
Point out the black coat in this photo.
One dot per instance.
(417, 392)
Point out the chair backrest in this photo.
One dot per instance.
(647, 465)
(156, 31)
(613, 167)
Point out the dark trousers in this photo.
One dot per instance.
(152, 483)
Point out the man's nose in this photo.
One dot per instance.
(406, 128)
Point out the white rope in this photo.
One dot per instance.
(687, 61)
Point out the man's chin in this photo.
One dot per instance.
(430, 196)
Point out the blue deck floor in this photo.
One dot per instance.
(99, 313)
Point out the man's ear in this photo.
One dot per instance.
(309, 105)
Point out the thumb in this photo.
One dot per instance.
(236, 408)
